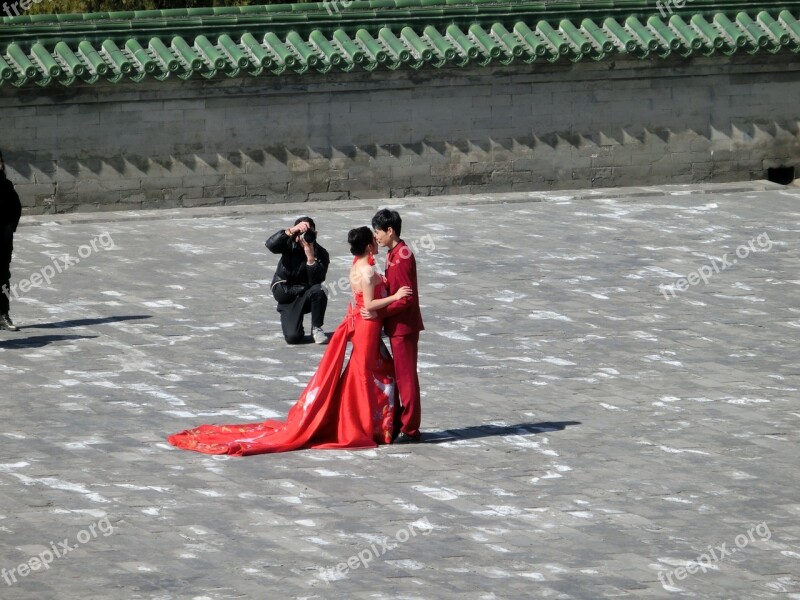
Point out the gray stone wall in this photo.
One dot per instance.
(381, 135)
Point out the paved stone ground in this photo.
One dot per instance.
(587, 434)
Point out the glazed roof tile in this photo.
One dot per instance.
(367, 35)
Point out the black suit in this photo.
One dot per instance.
(10, 211)
(297, 286)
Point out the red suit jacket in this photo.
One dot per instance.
(403, 316)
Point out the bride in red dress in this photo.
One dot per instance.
(350, 409)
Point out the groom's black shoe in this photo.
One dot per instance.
(404, 438)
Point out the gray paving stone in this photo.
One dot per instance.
(583, 432)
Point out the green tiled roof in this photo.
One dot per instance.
(377, 34)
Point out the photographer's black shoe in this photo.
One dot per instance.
(404, 438)
(7, 323)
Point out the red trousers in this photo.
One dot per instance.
(404, 353)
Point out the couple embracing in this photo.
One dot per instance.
(357, 407)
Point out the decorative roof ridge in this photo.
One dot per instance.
(328, 15)
(326, 11)
(218, 46)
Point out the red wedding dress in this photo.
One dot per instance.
(353, 409)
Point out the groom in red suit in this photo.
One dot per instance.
(402, 321)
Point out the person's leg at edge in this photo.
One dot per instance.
(5, 287)
(5, 279)
(404, 353)
(6, 250)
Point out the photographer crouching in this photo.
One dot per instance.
(297, 284)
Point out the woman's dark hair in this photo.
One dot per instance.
(359, 240)
(386, 218)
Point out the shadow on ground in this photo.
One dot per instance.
(83, 322)
(37, 341)
(479, 431)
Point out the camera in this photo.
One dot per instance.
(310, 236)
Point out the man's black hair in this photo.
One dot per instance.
(386, 218)
(308, 220)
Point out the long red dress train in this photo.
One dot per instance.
(353, 409)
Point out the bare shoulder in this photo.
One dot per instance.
(361, 275)
(367, 273)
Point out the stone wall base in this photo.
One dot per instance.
(383, 135)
